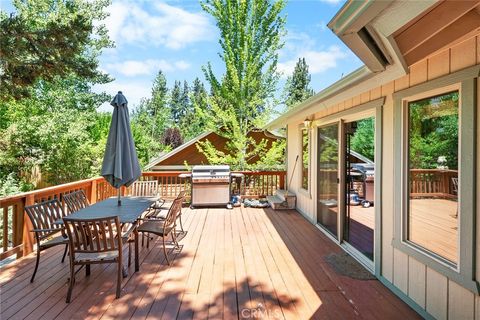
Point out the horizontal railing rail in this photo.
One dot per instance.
(15, 226)
(433, 182)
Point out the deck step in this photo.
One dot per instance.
(277, 201)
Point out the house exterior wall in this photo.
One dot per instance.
(430, 290)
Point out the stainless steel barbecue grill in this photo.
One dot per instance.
(211, 186)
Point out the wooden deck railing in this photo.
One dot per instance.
(15, 226)
(432, 182)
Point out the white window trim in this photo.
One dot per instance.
(302, 190)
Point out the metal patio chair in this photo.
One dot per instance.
(163, 227)
(94, 241)
(162, 216)
(147, 189)
(75, 200)
(47, 234)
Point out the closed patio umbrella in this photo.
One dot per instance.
(120, 162)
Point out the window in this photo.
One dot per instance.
(432, 208)
(435, 127)
(305, 158)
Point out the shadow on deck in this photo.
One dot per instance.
(243, 263)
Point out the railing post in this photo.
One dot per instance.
(445, 182)
(92, 196)
(282, 180)
(28, 239)
(18, 232)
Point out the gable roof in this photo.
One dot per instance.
(215, 140)
(162, 156)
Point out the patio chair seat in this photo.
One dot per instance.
(96, 256)
(155, 227)
(50, 242)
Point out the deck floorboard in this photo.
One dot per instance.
(231, 264)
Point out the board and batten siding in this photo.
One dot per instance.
(430, 290)
(305, 198)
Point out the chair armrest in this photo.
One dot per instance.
(150, 219)
(46, 230)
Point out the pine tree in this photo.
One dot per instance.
(297, 89)
(185, 99)
(46, 40)
(194, 121)
(157, 106)
(198, 90)
(176, 103)
(250, 38)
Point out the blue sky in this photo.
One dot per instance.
(179, 38)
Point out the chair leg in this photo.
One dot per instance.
(36, 264)
(181, 224)
(65, 253)
(148, 240)
(174, 239)
(119, 278)
(165, 249)
(130, 253)
(71, 283)
(87, 270)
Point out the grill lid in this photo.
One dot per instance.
(210, 171)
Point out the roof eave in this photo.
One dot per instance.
(346, 82)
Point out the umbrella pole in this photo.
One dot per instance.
(119, 201)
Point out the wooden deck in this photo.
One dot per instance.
(241, 263)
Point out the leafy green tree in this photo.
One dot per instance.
(433, 131)
(194, 121)
(49, 121)
(363, 140)
(150, 120)
(297, 88)
(250, 36)
(45, 39)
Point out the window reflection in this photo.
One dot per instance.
(328, 177)
(305, 158)
(433, 174)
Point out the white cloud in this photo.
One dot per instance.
(163, 25)
(134, 91)
(131, 68)
(318, 61)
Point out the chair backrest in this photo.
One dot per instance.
(455, 184)
(43, 216)
(144, 188)
(75, 200)
(173, 212)
(93, 235)
(181, 194)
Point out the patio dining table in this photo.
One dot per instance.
(131, 209)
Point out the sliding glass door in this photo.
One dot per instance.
(327, 177)
(359, 220)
